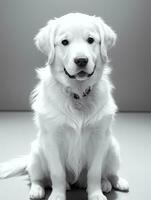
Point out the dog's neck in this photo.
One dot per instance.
(75, 89)
(77, 96)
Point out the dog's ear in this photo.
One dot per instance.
(107, 36)
(44, 40)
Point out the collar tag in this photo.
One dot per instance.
(86, 92)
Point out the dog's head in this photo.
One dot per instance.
(76, 45)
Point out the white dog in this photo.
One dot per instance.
(74, 110)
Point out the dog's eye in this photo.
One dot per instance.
(90, 40)
(65, 42)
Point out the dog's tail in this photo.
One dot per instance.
(15, 167)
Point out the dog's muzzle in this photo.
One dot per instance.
(80, 74)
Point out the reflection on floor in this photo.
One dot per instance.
(133, 131)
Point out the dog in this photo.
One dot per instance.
(73, 111)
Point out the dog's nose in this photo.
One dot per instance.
(81, 62)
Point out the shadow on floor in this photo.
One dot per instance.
(75, 194)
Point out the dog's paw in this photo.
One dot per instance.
(98, 195)
(36, 192)
(57, 196)
(106, 185)
(120, 184)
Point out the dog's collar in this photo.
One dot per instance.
(77, 96)
(85, 93)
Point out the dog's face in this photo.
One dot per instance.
(76, 46)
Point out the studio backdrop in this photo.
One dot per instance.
(131, 57)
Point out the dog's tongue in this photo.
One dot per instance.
(82, 74)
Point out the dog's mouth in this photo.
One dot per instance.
(82, 75)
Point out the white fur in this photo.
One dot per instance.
(74, 135)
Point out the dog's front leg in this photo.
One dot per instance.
(56, 169)
(94, 177)
(97, 156)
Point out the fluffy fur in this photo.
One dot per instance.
(74, 144)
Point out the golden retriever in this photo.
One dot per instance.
(74, 110)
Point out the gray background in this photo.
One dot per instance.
(131, 58)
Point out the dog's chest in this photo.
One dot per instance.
(76, 139)
(74, 130)
(75, 148)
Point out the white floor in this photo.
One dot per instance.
(133, 131)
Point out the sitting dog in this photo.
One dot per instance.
(74, 110)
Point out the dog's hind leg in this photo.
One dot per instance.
(37, 191)
(111, 167)
(36, 175)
